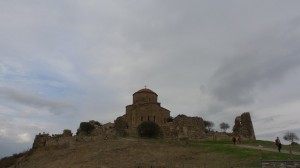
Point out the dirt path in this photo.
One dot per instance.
(267, 149)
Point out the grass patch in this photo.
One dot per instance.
(270, 144)
(235, 155)
(242, 156)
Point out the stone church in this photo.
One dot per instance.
(145, 108)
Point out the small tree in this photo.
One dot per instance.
(208, 125)
(290, 136)
(148, 129)
(224, 126)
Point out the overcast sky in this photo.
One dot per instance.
(67, 61)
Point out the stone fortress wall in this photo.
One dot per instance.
(98, 131)
(184, 127)
(44, 139)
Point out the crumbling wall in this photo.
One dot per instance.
(243, 126)
(103, 131)
(66, 139)
(215, 135)
(67, 133)
(42, 140)
(184, 127)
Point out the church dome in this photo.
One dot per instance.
(144, 95)
(145, 90)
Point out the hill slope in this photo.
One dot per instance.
(128, 152)
(113, 153)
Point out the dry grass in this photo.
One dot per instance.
(119, 153)
(129, 152)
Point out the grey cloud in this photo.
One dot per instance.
(260, 64)
(267, 119)
(109, 49)
(56, 107)
(9, 148)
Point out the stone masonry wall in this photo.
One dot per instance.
(42, 140)
(184, 127)
(280, 164)
(105, 131)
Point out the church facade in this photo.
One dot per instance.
(145, 108)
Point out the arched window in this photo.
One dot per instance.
(148, 118)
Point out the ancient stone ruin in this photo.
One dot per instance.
(67, 133)
(145, 108)
(87, 131)
(94, 128)
(44, 139)
(40, 140)
(184, 127)
(243, 126)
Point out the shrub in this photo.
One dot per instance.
(181, 115)
(95, 123)
(170, 119)
(86, 127)
(148, 129)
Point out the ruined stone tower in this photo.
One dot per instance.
(145, 108)
(243, 126)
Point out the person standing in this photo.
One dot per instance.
(233, 140)
(278, 144)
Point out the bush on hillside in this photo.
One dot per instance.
(181, 115)
(149, 129)
(95, 122)
(86, 127)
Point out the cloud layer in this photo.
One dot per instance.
(70, 61)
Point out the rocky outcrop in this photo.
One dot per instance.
(184, 127)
